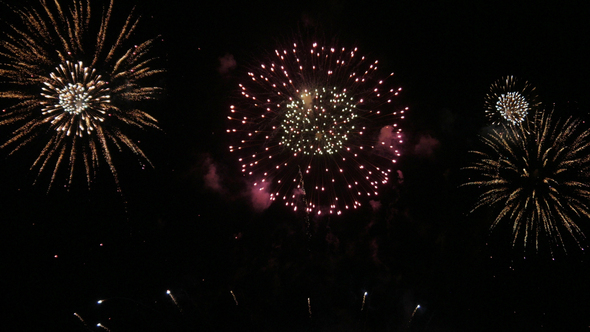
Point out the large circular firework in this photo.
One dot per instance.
(536, 176)
(66, 85)
(510, 100)
(317, 127)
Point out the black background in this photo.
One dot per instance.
(65, 250)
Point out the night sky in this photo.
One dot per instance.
(170, 230)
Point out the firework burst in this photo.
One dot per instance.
(317, 125)
(510, 100)
(536, 175)
(69, 87)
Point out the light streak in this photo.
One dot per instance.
(234, 296)
(413, 313)
(82, 320)
(174, 300)
(363, 305)
(103, 327)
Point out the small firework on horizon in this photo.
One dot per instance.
(536, 176)
(510, 100)
(317, 126)
(67, 86)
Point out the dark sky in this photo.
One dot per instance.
(65, 250)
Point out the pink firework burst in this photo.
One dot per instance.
(317, 127)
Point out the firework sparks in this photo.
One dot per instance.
(364, 298)
(313, 115)
(510, 100)
(536, 175)
(71, 89)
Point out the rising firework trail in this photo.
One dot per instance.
(317, 124)
(103, 327)
(174, 300)
(413, 313)
(234, 296)
(71, 82)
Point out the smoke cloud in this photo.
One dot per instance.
(259, 197)
(426, 146)
(226, 63)
(211, 178)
